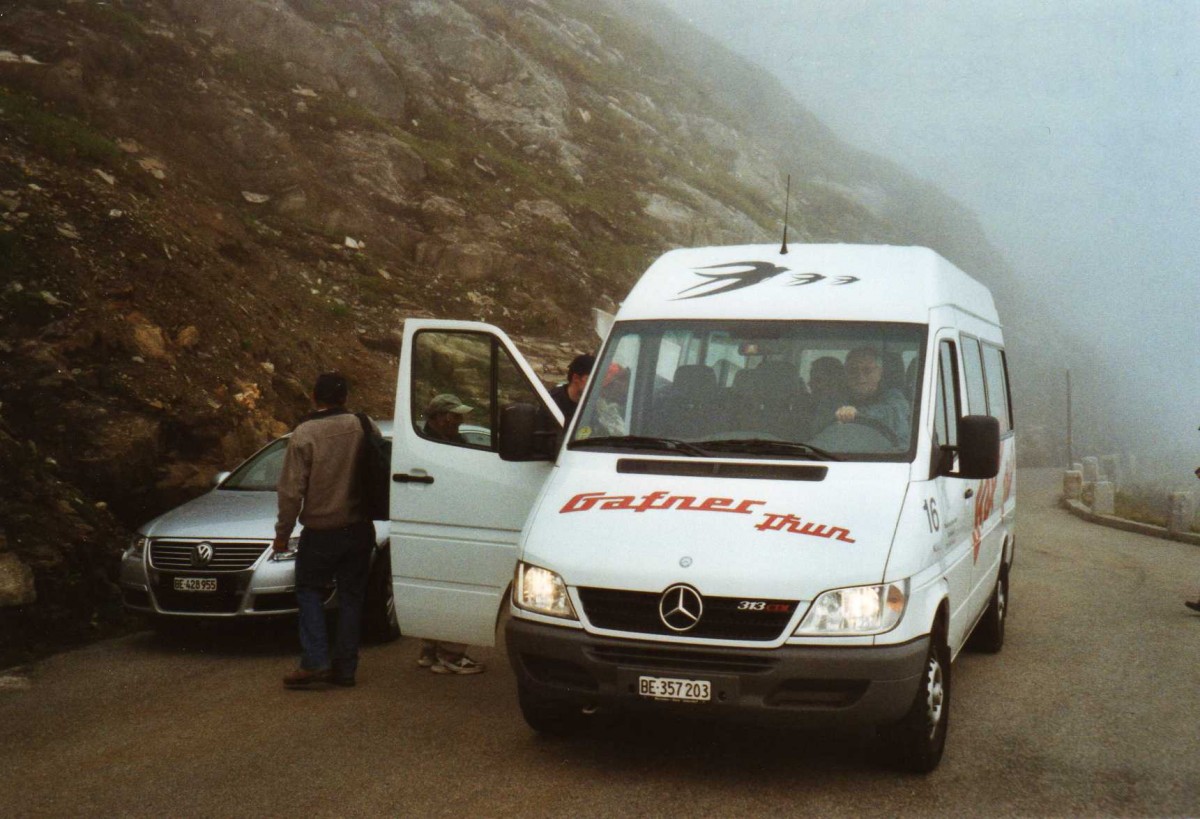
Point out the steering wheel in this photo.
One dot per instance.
(872, 423)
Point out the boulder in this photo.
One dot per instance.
(16, 582)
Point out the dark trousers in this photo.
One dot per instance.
(327, 556)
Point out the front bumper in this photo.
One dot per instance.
(266, 589)
(805, 685)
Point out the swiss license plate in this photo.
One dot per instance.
(669, 688)
(196, 584)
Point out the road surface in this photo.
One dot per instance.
(1093, 707)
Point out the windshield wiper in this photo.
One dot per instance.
(766, 446)
(642, 442)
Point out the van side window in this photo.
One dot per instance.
(463, 377)
(946, 412)
(996, 376)
(973, 377)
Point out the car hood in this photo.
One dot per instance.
(220, 514)
(776, 539)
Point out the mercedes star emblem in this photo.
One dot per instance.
(203, 554)
(680, 608)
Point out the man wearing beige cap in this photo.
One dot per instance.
(443, 416)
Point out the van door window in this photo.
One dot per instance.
(996, 377)
(453, 394)
(946, 412)
(973, 377)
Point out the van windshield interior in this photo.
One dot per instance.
(791, 389)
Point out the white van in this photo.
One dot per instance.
(787, 494)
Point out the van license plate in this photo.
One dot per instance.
(668, 688)
(196, 584)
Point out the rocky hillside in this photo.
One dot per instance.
(203, 203)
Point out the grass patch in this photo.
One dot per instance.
(60, 137)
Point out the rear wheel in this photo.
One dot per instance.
(549, 716)
(916, 742)
(379, 613)
(989, 633)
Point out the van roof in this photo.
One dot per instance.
(833, 282)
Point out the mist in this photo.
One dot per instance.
(1069, 129)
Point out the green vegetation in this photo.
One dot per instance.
(60, 137)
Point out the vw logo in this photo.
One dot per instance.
(680, 608)
(203, 554)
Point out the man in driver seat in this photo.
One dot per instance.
(867, 403)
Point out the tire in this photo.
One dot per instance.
(550, 716)
(916, 742)
(379, 613)
(989, 631)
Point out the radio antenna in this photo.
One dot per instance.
(787, 199)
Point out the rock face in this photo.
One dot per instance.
(16, 582)
(205, 203)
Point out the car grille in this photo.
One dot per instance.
(637, 612)
(227, 556)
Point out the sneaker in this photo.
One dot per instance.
(428, 657)
(457, 665)
(303, 678)
(1193, 606)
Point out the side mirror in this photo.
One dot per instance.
(978, 449)
(527, 433)
(220, 477)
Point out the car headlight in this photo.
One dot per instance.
(856, 611)
(542, 591)
(137, 547)
(290, 554)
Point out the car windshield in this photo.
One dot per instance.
(767, 389)
(260, 473)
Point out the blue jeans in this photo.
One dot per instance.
(327, 556)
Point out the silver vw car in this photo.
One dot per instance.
(212, 558)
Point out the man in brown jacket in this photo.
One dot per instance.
(319, 486)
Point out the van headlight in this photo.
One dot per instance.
(856, 611)
(137, 547)
(290, 554)
(542, 591)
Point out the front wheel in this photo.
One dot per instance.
(916, 742)
(549, 716)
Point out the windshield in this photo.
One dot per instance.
(261, 472)
(788, 389)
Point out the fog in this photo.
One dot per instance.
(1070, 129)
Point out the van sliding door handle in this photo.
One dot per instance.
(970, 493)
(406, 478)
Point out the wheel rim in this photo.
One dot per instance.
(935, 699)
(1002, 599)
(391, 611)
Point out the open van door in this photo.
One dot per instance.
(457, 509)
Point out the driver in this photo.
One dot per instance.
(866, 400)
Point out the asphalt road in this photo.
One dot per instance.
(1092, 708)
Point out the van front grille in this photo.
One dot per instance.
(683, 659)
(724, 618)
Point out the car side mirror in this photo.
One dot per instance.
(527, 433)
(978, 449)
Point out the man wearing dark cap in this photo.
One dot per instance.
(567, 395)
(318, 486)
